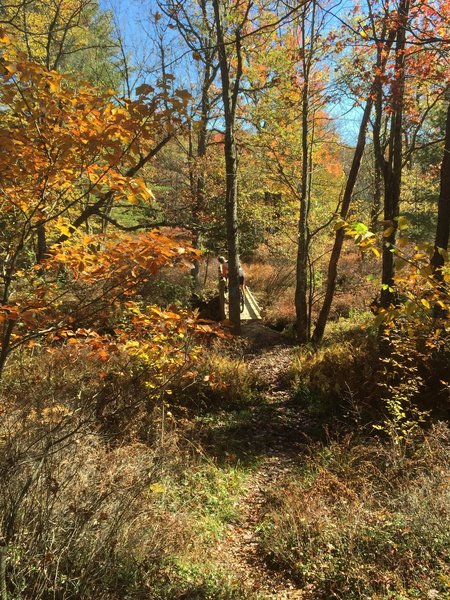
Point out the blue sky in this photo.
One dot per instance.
(133, 20)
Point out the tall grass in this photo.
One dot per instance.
(366, 520)
(94, 502)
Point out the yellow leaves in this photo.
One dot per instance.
(64, 228)
(132, 198)
(54, 81)
(403, 223)
(8, 69)
(400, 223)
(64, 152)
(157, 488)
(139, 189)
(339, 224)
(4, 37)
(129, 259)
(63, 22)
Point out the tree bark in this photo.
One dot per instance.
(443, 218)
(41, 250)
(302, 271)
(301, 289)
(339, 237)
(230, 91)
(346, 199)
(394, 164)
(379, 160)
(198, 181)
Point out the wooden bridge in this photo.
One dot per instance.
(251, 312)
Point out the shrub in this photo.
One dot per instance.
(365, 521)
(327, 379)
(221, 380)
(98, 496)
(79, 519)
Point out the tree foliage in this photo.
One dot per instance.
(72, 157)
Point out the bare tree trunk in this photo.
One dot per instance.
(41, 249)
(393, 171)
(379, 160)
(377, 198)
(198, 183)
(443, 218)
(232, 228)
(339, 237)
(8, 328)
(302, 271)
(230, 92)
(346, 199)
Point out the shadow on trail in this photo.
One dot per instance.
(255, 432)
(272, 423)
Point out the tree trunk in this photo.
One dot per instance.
(232, 230)
(301, 289)
(393, 170)
(8, 328)
(198, 182)
(379, 162)
(302, 270)
(230, 91)
(443, 218)
(377, 198)
(339, 237)
(351, 180)
(41, 250)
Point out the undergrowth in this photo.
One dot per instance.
(102, 493)
(366, 520)
(339, 378)
(109, 490)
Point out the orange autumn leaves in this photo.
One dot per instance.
(64, 149)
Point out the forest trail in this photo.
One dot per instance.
(277, 438)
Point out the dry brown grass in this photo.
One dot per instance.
(80, 518)
(99, 496)
(366, 520)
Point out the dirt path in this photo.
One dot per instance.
(279, 441)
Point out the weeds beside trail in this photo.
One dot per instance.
(229, 488)
(350, 517)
